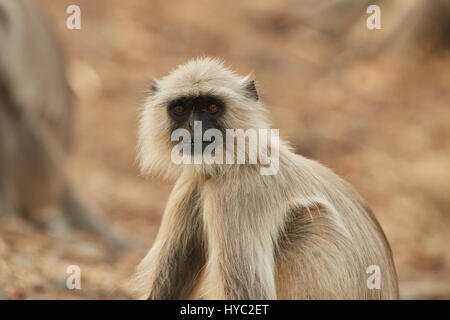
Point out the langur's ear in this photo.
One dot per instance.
(154, 87)
(250, 88)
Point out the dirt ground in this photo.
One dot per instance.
(379, 120)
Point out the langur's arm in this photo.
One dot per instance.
(170, 269)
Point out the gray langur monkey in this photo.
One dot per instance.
(36, 125)
(230, 232)
(35, 112)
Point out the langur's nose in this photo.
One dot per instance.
(194, 117)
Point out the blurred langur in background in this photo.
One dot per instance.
(35, 125)
(35, 109)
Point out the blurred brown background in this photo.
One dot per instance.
(374, 105)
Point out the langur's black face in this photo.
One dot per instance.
(205, 108)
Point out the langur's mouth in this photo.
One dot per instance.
(193, 143)
(203, 145)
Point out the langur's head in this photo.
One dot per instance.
(199, 95)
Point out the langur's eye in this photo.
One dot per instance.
(179, 109)
(213, 108)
